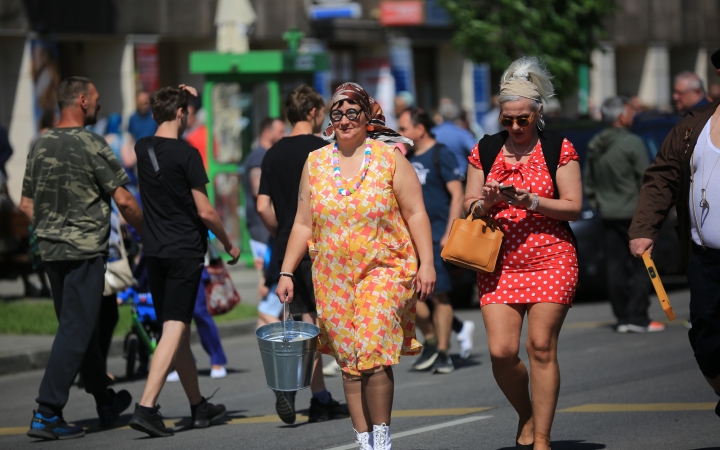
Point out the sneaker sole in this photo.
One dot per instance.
(50, 436)
(426, 364)
(284, 409)
(145, 427)
(207, 422)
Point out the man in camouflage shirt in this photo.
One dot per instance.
(70, 177)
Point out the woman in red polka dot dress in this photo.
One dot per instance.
(537, 268)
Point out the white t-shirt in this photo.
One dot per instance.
(705, 157)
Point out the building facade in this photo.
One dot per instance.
(387, 45)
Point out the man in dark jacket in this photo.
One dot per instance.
(613, 174)
(676, 178)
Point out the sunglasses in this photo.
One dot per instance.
(352, 114)
(522, 121)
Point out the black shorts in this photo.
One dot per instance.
(304, 301)
(174, 286)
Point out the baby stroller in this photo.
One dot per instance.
(141, 341)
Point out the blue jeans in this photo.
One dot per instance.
(209, 336)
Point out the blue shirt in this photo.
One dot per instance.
(434, 181)
(459, 140)
(142, 126)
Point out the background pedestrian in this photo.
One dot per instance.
(613, 174)
(282, 170)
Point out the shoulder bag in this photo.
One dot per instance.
(474, 243)
(220, 293)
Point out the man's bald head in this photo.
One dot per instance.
(688, 91)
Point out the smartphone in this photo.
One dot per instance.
(506, 188)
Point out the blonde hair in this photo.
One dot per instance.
(532, 69)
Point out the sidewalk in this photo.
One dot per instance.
(21, 353)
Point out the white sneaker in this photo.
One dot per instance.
(173, 377)
(465, 338)
(364, 440)
(332, 369)
(381, 437)
(653, 327)
(218, 373)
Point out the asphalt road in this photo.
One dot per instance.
(618, 392)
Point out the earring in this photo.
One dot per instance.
(370, 128)
(541, 124)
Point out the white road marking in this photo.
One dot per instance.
(452, 423)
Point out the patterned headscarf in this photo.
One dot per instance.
(376, 128)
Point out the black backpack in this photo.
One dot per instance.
(491, 145)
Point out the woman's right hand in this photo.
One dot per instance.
(285, 289)
(491, 194)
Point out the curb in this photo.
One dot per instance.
(37, 359)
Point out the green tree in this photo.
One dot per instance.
(562, 32)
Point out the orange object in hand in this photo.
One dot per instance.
(657, 284)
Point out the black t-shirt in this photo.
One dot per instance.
(168, 231)
(282, 170)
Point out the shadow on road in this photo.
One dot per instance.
(573, 445)
(459, 363)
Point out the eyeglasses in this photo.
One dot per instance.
(352, 114)
(522, 121)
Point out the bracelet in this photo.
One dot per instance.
(287, 274)
(536, 201)
(478, 204)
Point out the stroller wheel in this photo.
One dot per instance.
(131, 349)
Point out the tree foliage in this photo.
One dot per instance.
(562, 32)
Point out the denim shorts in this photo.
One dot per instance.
(443, 284)
(271, 304)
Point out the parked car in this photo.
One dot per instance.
(652, 128)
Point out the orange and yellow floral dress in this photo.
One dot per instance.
(364, 265)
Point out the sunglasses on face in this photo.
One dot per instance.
(522, 121)
(352, 114)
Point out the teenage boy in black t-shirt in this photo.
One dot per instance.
(277, 204)
(177, 215)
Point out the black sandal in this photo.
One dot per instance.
(519, 446)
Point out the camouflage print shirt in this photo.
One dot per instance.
(70, 173)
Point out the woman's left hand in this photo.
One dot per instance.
(425, 281)
(518, 197)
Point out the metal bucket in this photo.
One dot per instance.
(288, 365)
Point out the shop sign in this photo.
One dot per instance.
(334, 9)
(401, 13)
(147, 66)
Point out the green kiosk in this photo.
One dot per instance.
(239, 91)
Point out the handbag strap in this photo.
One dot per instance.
(178, 201)
(118, 230)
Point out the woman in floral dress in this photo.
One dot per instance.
(537, 267)
(361, 211)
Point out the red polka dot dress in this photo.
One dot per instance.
(538, 261)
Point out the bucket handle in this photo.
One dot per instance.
(287, 323)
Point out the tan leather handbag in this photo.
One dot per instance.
(474, 243)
